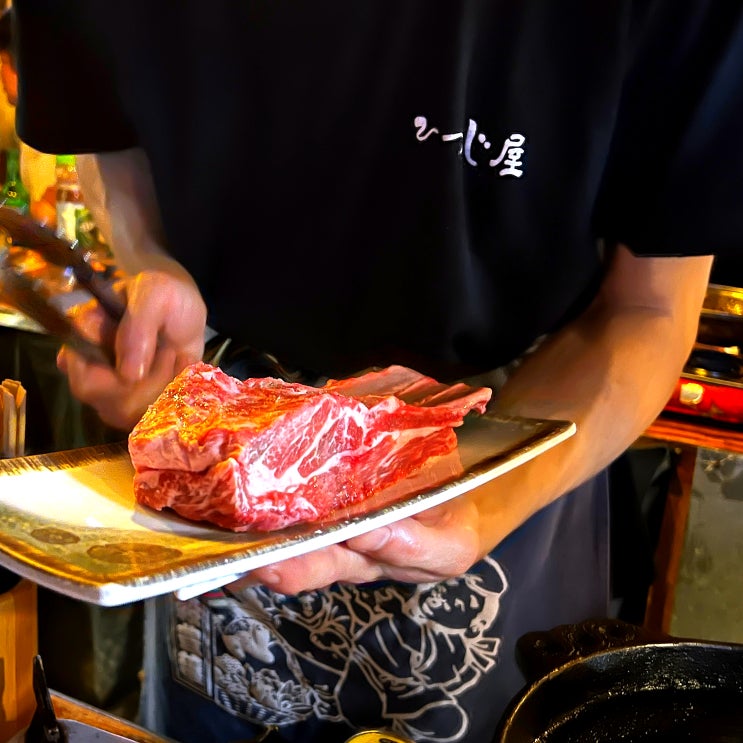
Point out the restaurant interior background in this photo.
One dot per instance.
(103, 663)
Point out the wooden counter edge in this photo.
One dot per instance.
(694, 432)
(67, 708)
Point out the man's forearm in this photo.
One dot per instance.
(611, 371)
(120, 193)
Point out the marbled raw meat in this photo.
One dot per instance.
(263, 454)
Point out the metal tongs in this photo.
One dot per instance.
(28, 296)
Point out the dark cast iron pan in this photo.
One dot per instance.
(606, 681)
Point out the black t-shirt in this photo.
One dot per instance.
(368, 182)
(356, 183)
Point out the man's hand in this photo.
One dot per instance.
(161, 332)
(439, 543)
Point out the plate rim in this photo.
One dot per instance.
(547, 434)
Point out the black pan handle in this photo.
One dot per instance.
(539, 653)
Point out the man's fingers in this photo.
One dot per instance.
(439, 541)
(316, 570)
(136, 339)
(119, 403)
(158, 315)
(441, 545)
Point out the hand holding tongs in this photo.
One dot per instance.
(25, 294)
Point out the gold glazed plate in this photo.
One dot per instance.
(69, 521)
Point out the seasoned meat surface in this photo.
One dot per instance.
(263, 454)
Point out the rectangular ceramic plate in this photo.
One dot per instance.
(69, 521)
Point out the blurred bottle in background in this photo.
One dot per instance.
(38, 173)
(69, 197)
(89, 238)
(14, 194)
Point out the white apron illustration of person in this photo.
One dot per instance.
(418, 648)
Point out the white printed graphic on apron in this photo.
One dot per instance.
(407, 652)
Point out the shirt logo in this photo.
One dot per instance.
(471, 142)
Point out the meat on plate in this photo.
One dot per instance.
(264, 454)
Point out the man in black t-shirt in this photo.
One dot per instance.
(535, 188)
